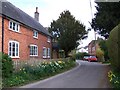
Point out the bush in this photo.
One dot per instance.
(113, 48)
(100, 54)
(114, 78)
(7, 65)
(80, 55)
(37, 72)
(103, 46)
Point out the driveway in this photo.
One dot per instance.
(85, 75)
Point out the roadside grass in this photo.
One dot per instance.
(29, 74)
(114, 78)
(106, 62)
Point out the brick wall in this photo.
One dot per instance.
(0, 34)
(25, 38)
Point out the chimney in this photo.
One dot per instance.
(36, 15)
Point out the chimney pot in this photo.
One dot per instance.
(36, 15)
(36, 9)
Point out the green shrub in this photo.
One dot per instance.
(114, 78)
(80, 55)
(100, 54)
(41, 71)
(103, 46)
(113, 48)
(7, 65)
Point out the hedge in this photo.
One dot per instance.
(114, 47)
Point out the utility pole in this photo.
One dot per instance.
(93, 28)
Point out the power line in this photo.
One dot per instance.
(91, 9)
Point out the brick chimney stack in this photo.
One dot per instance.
(36, 15)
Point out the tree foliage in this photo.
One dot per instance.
(106, 17)
(100, 54)
(7, 65)
(103, 46)
(67, 31)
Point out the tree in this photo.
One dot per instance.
(103, 46)
(106, 17)
(67, 31)
(100, 54)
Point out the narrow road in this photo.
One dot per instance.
(85, 75)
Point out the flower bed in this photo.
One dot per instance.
(40, 71)
(114, 78)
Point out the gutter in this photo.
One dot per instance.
(2, 34)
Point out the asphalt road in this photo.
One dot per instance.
(85, 75)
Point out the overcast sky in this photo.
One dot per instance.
(50, 10)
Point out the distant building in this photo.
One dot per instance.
(92, 47)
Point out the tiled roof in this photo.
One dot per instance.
(11, 11)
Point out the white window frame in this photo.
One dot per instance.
(10, 52)
(35, 52)
(35, 34)
(48, 52)
(44, 52)
(48, 40)
(16, 28)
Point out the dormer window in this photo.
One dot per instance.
(14, 26)
(35, 34)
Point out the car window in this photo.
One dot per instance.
(86, 56)
(93, 56)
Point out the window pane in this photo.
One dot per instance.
(13, 26)
(16, 49)
(48, 52)
(13, 49)
(16, 27)
(30, 50)
(35, 33)
(36, 50)
(43, 51)
(10, 49)
(10, 25)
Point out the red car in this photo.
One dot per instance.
(92, 58)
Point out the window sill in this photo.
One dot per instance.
(14, 57)
(48, 56)
(48, 41)
(35, 37)
(14, 31)
(33, 55)
(44, 57)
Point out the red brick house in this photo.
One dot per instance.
(21, 36)
(92, 47)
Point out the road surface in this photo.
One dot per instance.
(85, 75)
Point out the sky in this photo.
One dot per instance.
(50, 10)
